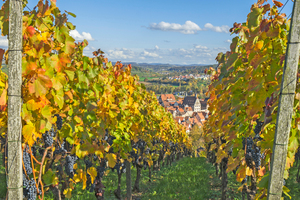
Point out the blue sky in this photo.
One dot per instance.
(157, 31)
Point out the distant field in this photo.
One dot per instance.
(145, 83)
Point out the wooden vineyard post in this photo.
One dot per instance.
(285, 108)
(14, 132)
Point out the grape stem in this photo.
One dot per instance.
(34, 157)
(41, 168)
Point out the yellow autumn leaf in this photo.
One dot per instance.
(248, 171)
(67, 193)
(71, 184)
(77, 177)
(259, 45)
(75, 166)
(92, 172)
(84, 179)
(131, 89)
(55, 181)
(28, 131)
(130, 101)
(111, 159)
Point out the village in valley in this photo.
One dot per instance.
(188, 111)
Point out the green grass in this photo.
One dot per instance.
(292, 184)
(2, 178)
(189, 178)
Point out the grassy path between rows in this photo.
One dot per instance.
(188, 178)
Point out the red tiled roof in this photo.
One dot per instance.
(165, 97)
(181, 110)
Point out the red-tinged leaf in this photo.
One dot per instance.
(262, 171)
(37, 88)
(260, 2)
(277, 3)
(30, 30)
(273, 32)
(2, 51)
(45, 80)
(258, 59)
(69, 94)
(266, 8)
(31, 66)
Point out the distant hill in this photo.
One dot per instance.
(171, 67)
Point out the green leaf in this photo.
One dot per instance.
(46, 112)
(70, 140)
(264, 182)
(59, 98)
(254, 17)
(49, 177)
(72, 14)
(70, 74)
(85, 62)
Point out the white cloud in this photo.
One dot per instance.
(188, 27)
(77, 36)
(3, 41)
(220, 29)
(149, 54)
(194, 55)
(219, 49)
(228, 41)
(120, 54)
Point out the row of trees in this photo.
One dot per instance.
(243, 102)
(79, 109)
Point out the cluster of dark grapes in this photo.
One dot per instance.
(58, 121)
(173, 146)
(139, 149)
(33, 150)
(48, 139)
(60, 150)
(109, 138)
(120, 167)
(141, 144)
(252, 153)
(70, 161)
(297, 155)
(29, 188)
(88, 163)
(257, 130)
(27, 161)
(245, 180)
(100, 172)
